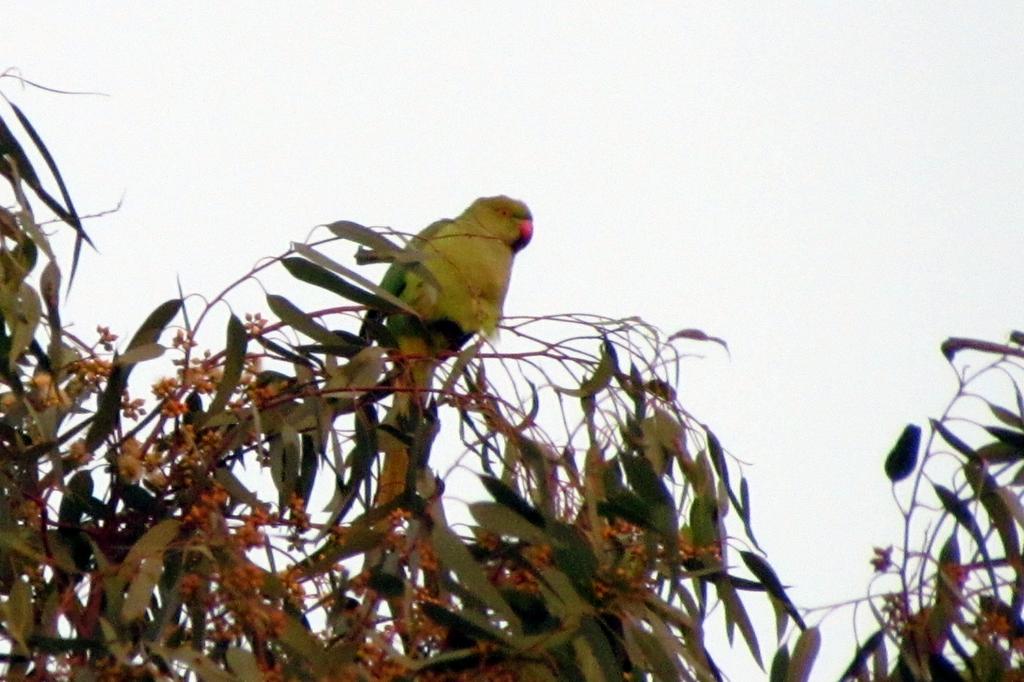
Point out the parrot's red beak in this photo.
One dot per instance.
(525, 235)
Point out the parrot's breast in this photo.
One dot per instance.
(473, 275)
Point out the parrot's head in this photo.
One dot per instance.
(505, 218)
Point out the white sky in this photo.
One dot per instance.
(834, 188)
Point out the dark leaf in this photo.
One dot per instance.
(595, 654)
(502, 521)
(942, 670)
(304, 270)
(628, 506)
(902, 459)
(443, 616)
(108, 407)
(961, 511)
(574, 557)
(1008, 436)
(780, 665)
(137, 498)
(860, 658)
(698, 335)
(307, 468)
(388, 584)
(59, 645)
(986, 489)
(953, 441)
(507, 497)
(1007, 417)
(717, 455)
(67, 213)
(766, 575)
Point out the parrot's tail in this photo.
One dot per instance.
(410, 397)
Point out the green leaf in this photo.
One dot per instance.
(357, 540)
(594, 653)
(235, 488)
(736, 614)
(30, 313)
(603, 374)
(298, 639)
(346, 229)
(804, 653)
(322, 261)
(299, 320)
(450, 659)
(1001, 515)
(1010, 419)
(998, 452)
(454, 556)
(155, 324)
(140, 591)
(501, 520)
(360, 461)
(234, 363)
(243, 664)
(949, 555)
(20, 612)
(704, 521)
(203, 666)
(361, 374)
(657, 654)
(902, 459)
(108, 408)
(152, 543)
(20, 542)
(141, 353)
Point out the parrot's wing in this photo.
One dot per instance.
(395, 280)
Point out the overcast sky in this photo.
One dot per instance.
(834, 188)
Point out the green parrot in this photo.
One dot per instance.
(456, 283)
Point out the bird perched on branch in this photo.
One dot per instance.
(455, 278)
